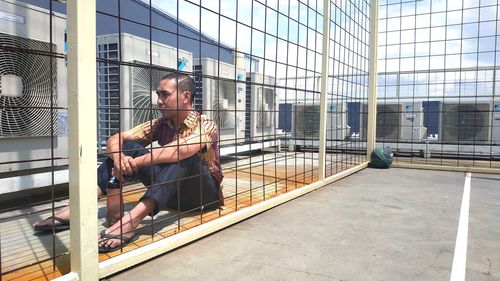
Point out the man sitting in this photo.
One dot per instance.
(183, 174)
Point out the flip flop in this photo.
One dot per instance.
(64, 225)
(124, 241)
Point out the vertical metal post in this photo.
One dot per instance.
(372, 80)
(82, 137)
(324, 88)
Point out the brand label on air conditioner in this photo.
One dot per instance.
(11, 17)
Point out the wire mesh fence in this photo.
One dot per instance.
(218, 105)
(437, 82)
(241, 130)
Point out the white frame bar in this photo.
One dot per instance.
(324, 89)
(372, 81)
(81, 141)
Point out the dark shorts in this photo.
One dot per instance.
(184, 185)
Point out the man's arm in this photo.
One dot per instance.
(142, 134)
(180, 149)
(114, 150)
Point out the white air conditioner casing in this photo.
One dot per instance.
(33, 74)
(306, 120)
(261, 116)
(223, 98)
(412, 121)
(132, 87)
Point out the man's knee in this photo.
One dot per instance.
(179, 170)
(133, 149)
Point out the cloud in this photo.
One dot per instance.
(453, 30)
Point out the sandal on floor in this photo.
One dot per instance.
(124, 241)
(64, 225)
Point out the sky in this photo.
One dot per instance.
(410, 37)
(445, 39)
(442, 15)
(240, 36)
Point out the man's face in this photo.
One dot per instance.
(169, 101)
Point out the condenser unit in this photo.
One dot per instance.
(388, 121)
(33, 94)
(470, 122)
(306, 121)
(396, 121)
(400, 121)
(222, 97)
(261, 108)
(133, 87)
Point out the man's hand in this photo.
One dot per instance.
(124, 166)
(133, 165)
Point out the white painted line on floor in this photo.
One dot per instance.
(460, 256)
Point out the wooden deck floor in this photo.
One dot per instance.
(247, 181)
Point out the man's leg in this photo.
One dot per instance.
(199, 191)
(196, 184)
(114, 199)
(114, 206)
(124, 228)
(187, 182)
(103, 175)
(62, 213)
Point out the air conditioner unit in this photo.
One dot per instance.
(132, 87)
(469, 122)
(223, 98)
(396, 121)
(261, 109)
(306, 119)
(33, 94)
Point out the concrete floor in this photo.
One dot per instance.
(395, 224)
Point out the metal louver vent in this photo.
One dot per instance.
(265, 107)
(198, 82)
(388, 121)
(224, 105)
(27, 87)
(306, 121)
